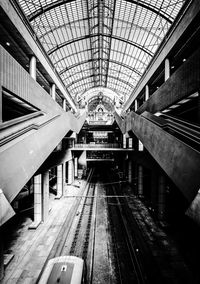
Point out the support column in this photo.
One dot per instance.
(124, 141)
(45, 195)
(70, 172)
(130, 143)
(140, 181)
(53, 91)
(32, 67)
(37, 184)
(167, 69)
(161, 197)
(146, 92)
(130, 171)
(1, 107)
(76, 167)
(64, 104)
(136, 104)
(1, 255)
(64, 174)
(59, 181)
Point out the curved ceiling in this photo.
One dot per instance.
(101, 43)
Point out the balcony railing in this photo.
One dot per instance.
(103, 145)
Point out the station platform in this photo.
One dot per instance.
(29, 249)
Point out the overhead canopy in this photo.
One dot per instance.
(101, 43)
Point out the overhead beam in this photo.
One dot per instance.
(87, 61)
(47, 8)
(90, 76)
(63, 44)
(16, 16)
(152, 9)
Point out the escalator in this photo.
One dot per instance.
(25, 143)
(173, 143)
(187, 132)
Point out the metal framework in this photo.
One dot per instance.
(101, 43)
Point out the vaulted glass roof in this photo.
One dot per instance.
(101, 43)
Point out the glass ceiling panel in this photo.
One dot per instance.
(105, 43)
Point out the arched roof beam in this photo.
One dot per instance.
(90, 60)
(114, 93)
(152, 9)
(87, 50)
(105, 35)
(47, 8)
(119, 93)
(53, 5)
(86, 19)
(85, 70)
(90, 76)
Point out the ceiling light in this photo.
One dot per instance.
(8, 43)
(184, 59)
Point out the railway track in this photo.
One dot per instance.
(128, 266)
(81, 244)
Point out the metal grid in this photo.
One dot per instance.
(106, 43)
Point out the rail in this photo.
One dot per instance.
(122, 238)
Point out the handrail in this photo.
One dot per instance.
(182, 122)
(183, 133)
(24, 130)
(18, 120)
(103, 145)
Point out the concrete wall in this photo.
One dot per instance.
(26, 148)
(184, 82)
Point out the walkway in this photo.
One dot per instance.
(32, 247)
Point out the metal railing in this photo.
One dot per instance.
(103, 145)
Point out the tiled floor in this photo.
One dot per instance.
(32, 247)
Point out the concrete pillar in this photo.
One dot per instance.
(37, 199)
(130, 143)
(70, 172)
(45, 195)
(130, 171)
(64, 174)
(140, 146)
(64, 104)
(53, 91)
(32, 67)
(76, 167)
(1, 109)
(136, 104)
(161, 197)
(146, 92)
(59, 181)
(1, 255)
(167, 69)
(140, 180)
(124, 141)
